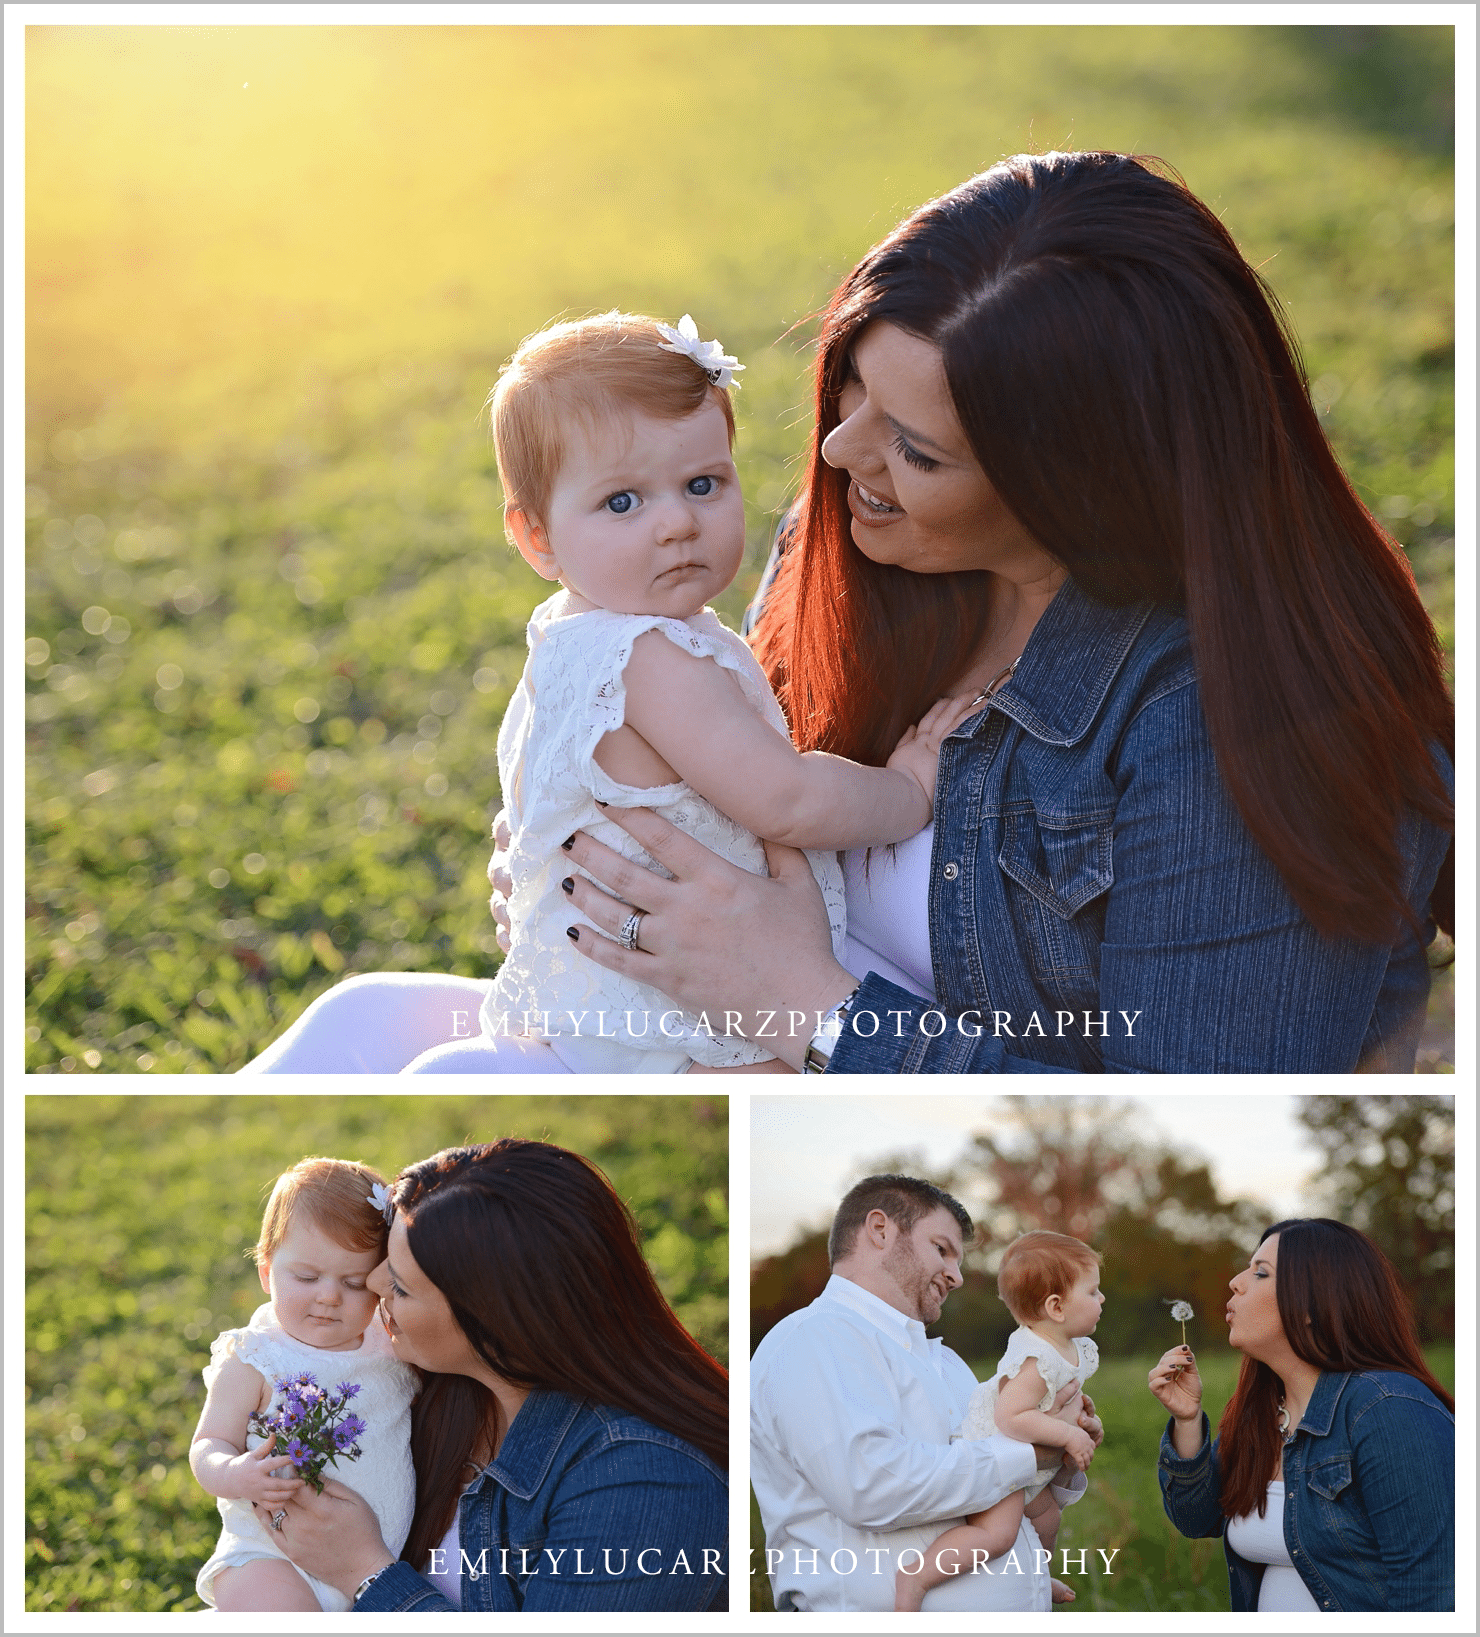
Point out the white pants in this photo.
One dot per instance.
(422, 1023)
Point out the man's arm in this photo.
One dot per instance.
(830, 1407)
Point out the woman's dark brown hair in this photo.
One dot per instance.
(1342, 1307)
(541, 1265)
(1131, 388)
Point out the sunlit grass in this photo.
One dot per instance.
(272, 273)
(139, 1213)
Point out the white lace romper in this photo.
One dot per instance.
(570, 696)
(1057, 1372)
(383, 1474)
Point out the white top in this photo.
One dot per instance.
(383, 1474)
(570, 696)
(1262, 1540)
(1057, 1372)
(852, 1408)
(889, 913)
(444, 1569)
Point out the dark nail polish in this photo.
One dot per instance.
(573, 935)
(567, 844)
(568, 885)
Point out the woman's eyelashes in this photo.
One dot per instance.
(913, 457)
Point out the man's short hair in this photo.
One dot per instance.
(904, 1200)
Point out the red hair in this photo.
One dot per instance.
(1342, 1308)
(1130, 387)
(1040, 1264)
(334, 1195)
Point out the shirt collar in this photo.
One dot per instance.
(1073, 656)
(908, 1332)
(1320, 1412)
(531, 1443)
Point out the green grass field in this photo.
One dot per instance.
(1154, 1570)
(270, 619)
(139, 1210)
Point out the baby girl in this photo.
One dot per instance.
(1051, 1285)
(323, 1231)
(613, 437)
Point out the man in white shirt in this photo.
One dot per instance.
(852, 1411)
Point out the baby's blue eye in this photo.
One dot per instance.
(623, 502)
(701, 485)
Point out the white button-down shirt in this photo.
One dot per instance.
(852, 1408)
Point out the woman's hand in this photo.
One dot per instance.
(746, 949)
(1176, 1383)
(333, 1536)
(500, 880)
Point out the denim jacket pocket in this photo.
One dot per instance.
(1063, 861)
(1330, 1478)
(1061, 866)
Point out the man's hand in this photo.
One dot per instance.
(1055, 1452)
(1091, 1422)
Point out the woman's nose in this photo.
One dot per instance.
(376, 1279)
(838, 447)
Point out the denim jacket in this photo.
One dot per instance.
(1369, 1497)
(586, 1509)
(1097, 904)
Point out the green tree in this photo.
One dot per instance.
(1078, 1166)
(1390, 1172)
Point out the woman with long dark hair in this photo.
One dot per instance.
(1331, 1479)
(570, 1438)
(1066, 462)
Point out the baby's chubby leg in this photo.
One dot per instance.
(1044, 1512)
(983, 1537)
(265, 1585)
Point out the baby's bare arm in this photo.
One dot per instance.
(218, 1452)
(1018, 1416)
(694, 716)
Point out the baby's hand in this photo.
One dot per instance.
(918, 751)
(259, 1475)
(1079, 1448)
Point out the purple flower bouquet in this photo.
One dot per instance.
(311, 1426)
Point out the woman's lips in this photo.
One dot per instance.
(871, 509)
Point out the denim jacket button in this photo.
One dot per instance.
(951, 871)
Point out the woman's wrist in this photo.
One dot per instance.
(831, 990)
(367, 1580)
(350, 1575)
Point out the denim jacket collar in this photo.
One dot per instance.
(1320, 1412)
(532, 1443)
(1071, 660)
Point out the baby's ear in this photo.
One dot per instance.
(264, 1270)
(531, 542)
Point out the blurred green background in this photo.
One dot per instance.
(271, 620)
(139, 1212)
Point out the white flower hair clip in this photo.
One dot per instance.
(708, 355)
(380, 1197)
